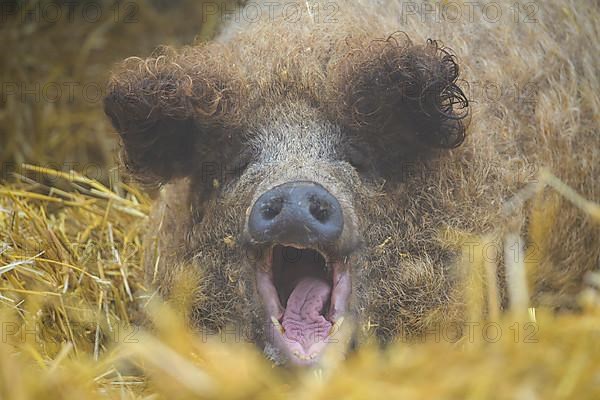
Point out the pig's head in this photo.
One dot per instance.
(294, 154)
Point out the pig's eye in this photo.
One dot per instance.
(357, 156)
(240, 163)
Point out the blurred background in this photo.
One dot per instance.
(55, 59)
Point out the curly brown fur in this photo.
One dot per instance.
(160, 104)
(371, 115)
(386, 83)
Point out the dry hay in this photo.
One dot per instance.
(54, 71)
(71, 293)
(71, 289)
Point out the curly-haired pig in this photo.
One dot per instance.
(315, 159)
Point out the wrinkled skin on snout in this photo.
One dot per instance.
(285, 207)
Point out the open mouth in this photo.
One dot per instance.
(305, 294)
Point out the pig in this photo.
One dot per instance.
(312, 160)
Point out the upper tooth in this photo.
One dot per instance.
(336, 326)
(277, 325)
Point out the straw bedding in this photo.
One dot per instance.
(74, 306)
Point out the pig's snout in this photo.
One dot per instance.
(301, 213)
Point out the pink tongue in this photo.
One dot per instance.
(302, 320)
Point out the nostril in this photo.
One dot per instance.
(320, 209)
(271, 208)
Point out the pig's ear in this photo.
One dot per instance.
(169, 111)
(395, 88)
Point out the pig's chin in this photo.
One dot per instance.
(305, 294)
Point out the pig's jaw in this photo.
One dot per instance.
(305, 295)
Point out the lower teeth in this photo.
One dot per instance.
(277, 325)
